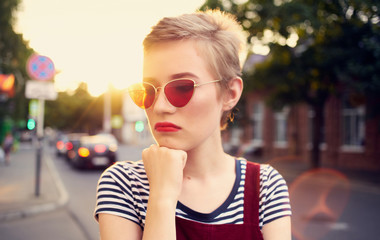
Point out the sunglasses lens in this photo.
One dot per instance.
(179, 92)
(142, 94)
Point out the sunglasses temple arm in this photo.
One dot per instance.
(207, 83)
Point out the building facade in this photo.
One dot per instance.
(349, 140)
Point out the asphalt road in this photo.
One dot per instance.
(81, 187)
(326, 206)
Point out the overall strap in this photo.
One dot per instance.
(251, 193)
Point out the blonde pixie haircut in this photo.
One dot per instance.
(219, 38)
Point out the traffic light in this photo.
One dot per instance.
(7, 85)
(139, 126)
(31, 124)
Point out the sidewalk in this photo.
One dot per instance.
(18, 185)
(292, 168)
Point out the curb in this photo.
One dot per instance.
(45, 207)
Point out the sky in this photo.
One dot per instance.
(94, 41)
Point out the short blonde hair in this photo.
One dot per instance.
(219, 37)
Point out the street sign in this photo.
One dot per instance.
(40, 67)
(41, 70)
(40, 90)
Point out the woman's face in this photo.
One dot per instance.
(199, 121)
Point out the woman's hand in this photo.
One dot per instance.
(164, 168)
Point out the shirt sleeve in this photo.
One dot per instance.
(115, 194)
(274, 196)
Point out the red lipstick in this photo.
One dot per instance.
(166, 127)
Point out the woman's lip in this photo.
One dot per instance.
(166, 127)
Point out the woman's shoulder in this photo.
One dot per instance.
(133, 166)
(267, 172)
(123, 191)
(126, 171)
(264, 168)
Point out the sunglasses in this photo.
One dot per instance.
(178, 92)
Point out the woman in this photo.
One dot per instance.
(186, 186)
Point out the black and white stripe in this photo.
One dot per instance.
(123, 190)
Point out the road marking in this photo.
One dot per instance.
(339, 226)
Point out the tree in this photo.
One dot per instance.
(14, 52)
(76, 112)
(317, 49)
(79, 111)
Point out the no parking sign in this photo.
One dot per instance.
(41, 70)
(40, 67)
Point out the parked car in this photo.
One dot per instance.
(60, 145)
(26, 136)
(66, 142)
(94, 151)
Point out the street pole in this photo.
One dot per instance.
(40, 135)
(107, 111)
(41, 71)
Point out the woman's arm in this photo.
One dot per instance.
(279, 229)
(159, 223)
(113, 227)
(160, 220)
(164, 169)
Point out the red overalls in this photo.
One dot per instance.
(250, 229)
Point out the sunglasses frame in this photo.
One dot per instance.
(163, 87)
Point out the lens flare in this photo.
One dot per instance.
(318, 198)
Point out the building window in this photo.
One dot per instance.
(281, 127)
(257, 118)
(353, 129)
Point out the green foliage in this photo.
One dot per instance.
(337, 52)
(73, 112)
(14, 52)
(80, 112)
(338, 45)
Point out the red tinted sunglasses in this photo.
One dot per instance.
(178, 92)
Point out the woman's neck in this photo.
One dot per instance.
(208, 160)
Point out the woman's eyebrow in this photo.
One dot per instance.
(184, 75)
(149, 80)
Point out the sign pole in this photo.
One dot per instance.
(40, 135)
(40, 69)
(40, 119)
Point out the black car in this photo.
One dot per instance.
(66, 143)
(94, 151)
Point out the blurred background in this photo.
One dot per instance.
(310, 107)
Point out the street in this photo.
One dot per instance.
(326, 205)
(75, 217)
(81, 187)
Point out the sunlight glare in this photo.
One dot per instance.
(94, 41)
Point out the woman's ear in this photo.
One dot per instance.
(233, 94)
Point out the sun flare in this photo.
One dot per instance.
(94, 41)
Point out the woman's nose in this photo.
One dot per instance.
(162, 104)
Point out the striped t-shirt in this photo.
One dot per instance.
(123, 190)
